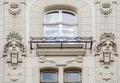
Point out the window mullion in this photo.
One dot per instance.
(60, 29)
(60, 25)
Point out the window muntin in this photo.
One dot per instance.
(49, 76)
(62, 20)
(72, 76)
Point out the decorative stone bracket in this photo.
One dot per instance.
(107, 49)
(14, 50)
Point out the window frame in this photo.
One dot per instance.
(80, 77)
(43, 81)
(60, 23)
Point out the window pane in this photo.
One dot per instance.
(68, 31)
(68, 17)
(49, 77)
(52, 17)
(72, 77)
(60, 23)
(52, 31)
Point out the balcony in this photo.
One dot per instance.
(61, 45)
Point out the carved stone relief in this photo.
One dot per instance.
(106, 8)
(14, 76)
(106, 55)
(14, 9)
(107, 49)
(14, 50)
(106, 75)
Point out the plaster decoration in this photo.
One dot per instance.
(107, 43)
(16, 75)
(14, 9)
(107, 49)
(43, 60)
(106, 76)
(79, 59)
(14, 49)
(61, 65)
(106, 8)
(71, 61)
(47, 61)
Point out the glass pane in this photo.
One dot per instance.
(68, 17)
(68, 31)
(49, 77)
(72, 77)
(52, 31)
(52, 17)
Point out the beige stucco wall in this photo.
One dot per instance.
(84, 17)
(1, 40)
(30, 23)
(82, 8)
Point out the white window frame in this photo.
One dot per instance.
(60, 23)
(80, 75)
(56, 79)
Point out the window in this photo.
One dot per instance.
(48, 76)
(60, 23)
(72, 76)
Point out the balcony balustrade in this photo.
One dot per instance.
(61, 42)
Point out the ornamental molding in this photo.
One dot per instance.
(106, 75)
(107, 49)
(79, 59)
(108, 38)
(14, 9)
(106, 8)
(14, 50)
(13, 35)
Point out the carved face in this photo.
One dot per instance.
(14, 46)
(107, 46)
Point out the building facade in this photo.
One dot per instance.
(59, 41)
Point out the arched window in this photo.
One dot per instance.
(60, 23)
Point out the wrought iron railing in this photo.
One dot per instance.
(61, 41)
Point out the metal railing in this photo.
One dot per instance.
(86, 41)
